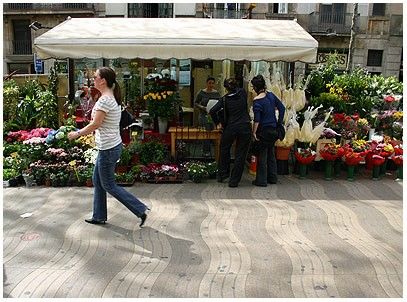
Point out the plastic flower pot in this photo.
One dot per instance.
(329, 169)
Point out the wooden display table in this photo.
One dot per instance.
(189, 133)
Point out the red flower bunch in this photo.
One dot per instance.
(305, 156)
(353, 158)
(347, 125)
(332, 151)
(377, 160)
(398, 159)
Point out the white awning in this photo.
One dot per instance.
(181, 38)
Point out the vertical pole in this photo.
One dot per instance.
(352, 37)
(71, 81)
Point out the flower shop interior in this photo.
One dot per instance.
(338, 124)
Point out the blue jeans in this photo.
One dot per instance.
(104, 182)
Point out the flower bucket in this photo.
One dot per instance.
(29, 180)
(400, 172)
(337, 168)
(383, 168)
(162, 125)
(282, 153)
(329, 169)
(376, 172)
(351, 173)
(303, 171)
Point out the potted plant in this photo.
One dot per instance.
(125, 179)
(124, 161)
(10, 177)
(196, 171)
(134, 150)
(211, 169)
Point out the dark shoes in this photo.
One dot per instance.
(92, 221)
(258, 185)
(273, 182)
(143, 219)
(232, 185)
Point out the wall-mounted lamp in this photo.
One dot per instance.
(37, 25)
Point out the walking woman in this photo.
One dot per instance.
(105, 122)
(236, 128)
(265, 130)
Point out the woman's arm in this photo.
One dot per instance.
(92, 126)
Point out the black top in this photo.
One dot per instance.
(235, 104)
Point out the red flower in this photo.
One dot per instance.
(304, 159)
(377, 160)
(353, 158)
(355, 116)
(398, 151)
(338, 117)
(389, 99)
(398, 160)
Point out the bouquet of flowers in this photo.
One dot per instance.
(305, 156)
(331, 151)
(353, 158)
(162, 98)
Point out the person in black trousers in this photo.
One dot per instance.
(236, 128)
(265, 131)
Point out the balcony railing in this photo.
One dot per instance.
(330, 23)
(22, 47)
(231, 14)
(13, 7)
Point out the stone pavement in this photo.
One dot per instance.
(299, 238)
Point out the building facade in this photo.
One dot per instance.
(378, 40)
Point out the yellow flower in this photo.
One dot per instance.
(159, 97)
(328, 85)
(153, 97)
(164, 96)
(388, 148)
(145, 97)
(398, 115)
(169, 92)
(363, 121)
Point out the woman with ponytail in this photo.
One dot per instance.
(105, 123)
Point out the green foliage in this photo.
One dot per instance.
(11, 94)
(10, 173)
(330, 100)
(320, 77)
(152, 152)
(125, 157)
(124, 177)
(46, 106)
(135, 147)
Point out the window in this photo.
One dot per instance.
(374, 57)
(22, 44)
(21, 68)
(332, 13)
(279, 8)
(379, 9)
(150, 10)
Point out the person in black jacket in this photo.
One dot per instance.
(236, 128)
(265, 130)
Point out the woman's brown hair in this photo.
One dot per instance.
(109, 75)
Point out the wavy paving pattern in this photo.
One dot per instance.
(298, 239)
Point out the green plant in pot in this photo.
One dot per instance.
(124, 161)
